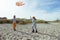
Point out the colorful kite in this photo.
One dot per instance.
(19, 3)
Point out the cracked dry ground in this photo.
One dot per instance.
(23, 32)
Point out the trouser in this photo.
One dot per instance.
(14, 26)
(34, 29)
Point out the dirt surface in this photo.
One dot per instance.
(24, 32)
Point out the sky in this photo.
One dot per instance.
(41, 9)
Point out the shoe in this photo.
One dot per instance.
(33, 31)
(14, 29)
(36, 31)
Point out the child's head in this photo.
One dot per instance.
(34, 17)
(14, 16)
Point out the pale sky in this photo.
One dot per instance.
(41, 9)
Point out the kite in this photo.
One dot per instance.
(19, 3)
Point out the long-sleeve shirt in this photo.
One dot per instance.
(33, 22)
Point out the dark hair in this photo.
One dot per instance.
(14, 16)
(34, 18)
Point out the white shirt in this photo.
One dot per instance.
(14, 20)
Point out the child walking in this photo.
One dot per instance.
(14, 23)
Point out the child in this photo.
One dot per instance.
(34, 29)
(14, 23)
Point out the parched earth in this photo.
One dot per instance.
(23, 32)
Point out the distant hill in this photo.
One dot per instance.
(22, 21)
